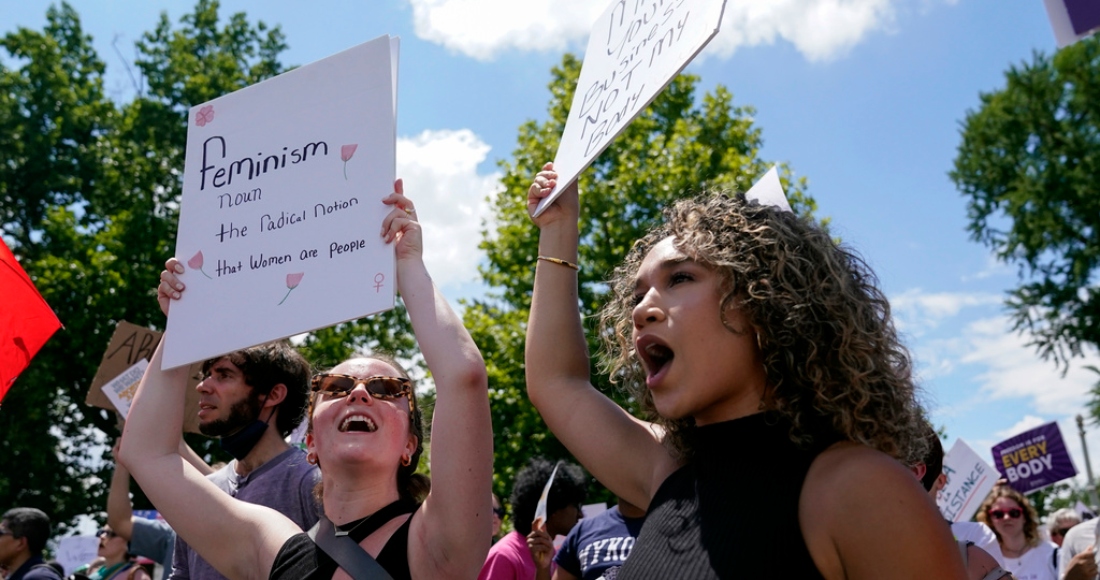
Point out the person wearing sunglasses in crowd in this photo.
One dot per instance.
(364, 434)
(1016, 525)
(23, 535)
(783, 398)
(117, 562)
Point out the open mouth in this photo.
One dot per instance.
(358, 423)
(655, 355)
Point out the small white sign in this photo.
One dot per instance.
(281, 212)
(634, 51)
(76, 551)
(969, 480)
(121, 389)
(768, 190)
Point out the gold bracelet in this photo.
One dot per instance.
(560, 262)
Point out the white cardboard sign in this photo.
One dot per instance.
(76, 551)
(634, 51)
(281, 212)
(969, 480)
(121, 389)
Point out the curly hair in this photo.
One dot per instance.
(569, 488)
(410, 484)
(833, 360)
(1031, 518)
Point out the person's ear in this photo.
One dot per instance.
(276, 396)
(919, 470)
(410, 448)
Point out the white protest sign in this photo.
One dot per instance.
(76, 551)
(768, 190)
(969, 480)
(121, 389)
(540, 508)
(634, 51)
(281, 212)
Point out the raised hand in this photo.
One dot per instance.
(401, 226)
(565, 207)
(170, 287)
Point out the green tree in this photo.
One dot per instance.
(1028, 165)
(677, 147)
(89, 200)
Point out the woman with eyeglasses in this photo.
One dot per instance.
(781, 398)
(365, 435)
(117, 563)
(1016, 525)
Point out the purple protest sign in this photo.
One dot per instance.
(1084, 15)
(1034, 459)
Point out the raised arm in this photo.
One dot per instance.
(247, 537)
(450, 535)
(119, 510)
(621, 452)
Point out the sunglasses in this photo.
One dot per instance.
(1010, 514)
(108, 533)
(1060, 532)
(499, 512)
(383, 388)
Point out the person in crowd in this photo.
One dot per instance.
(980, 564)
(1059, 524)
(153, 539)
(118, 562)
(786, 402)
(598, 546)
(23, 535)
(1077, 558)
(527, 552)
(251, 400)
(1023, 552)
(498, 517)
(365, 434)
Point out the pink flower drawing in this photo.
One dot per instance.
(346, 151)
(292, 281)
(204, 116)
(196, 264)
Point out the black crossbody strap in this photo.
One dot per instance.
(348, 554)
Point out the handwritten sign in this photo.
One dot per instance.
(634, 51)
(1034, 459)
(121, 389)
(76, 551)
(969, 480)
(281, 211)
(130, 344)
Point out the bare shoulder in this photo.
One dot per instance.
(864, 515)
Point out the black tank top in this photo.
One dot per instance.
(302, 559)
(732, 512)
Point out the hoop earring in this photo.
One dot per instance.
(311, 458)
(406, 460)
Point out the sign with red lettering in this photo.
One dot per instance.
(281, 212)
(1034, 459)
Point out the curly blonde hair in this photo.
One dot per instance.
(834, 364)
(1031, 517)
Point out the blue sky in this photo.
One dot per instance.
(863, 97)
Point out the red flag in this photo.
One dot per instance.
(26, 321)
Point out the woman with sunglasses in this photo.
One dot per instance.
(1016, 525)
(117, 563)
(364, 435)
(782, 398)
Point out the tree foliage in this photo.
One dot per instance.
(679, 146)
(1029, 163)
(89, 194)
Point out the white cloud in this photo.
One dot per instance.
(820, 29)
(1014, 370)
(440, 173)
(916, 312)
(1028, 422)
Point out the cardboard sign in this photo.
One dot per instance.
(281, 211)
(129, 344)
(1034, 459)
(969, 480)
(76, 551)
(634, 51)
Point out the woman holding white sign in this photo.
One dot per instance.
(783, 399)
(365, 435)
